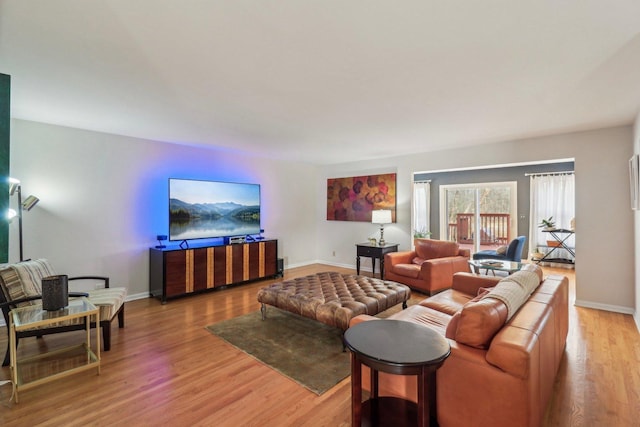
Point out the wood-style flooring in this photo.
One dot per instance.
(164, 368)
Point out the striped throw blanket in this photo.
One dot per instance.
(514, 290)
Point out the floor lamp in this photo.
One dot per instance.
(26, 205)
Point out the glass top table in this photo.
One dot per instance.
(31, 371)
(33, 316)
(494, 265)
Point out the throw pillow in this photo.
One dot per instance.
(479, 321)
(11, 285)
(24, 279)
(31, 274)
(501, 250)
(418, 261)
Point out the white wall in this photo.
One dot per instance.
(103, 198)
(604, 221)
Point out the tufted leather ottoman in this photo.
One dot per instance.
(334, 298)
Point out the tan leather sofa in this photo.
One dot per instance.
(500, 372)
(429, 268)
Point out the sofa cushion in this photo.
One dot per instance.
(449, 301)
(429, 249)
(479, 321)
(425, 317)
(108, 300)
(407, 270)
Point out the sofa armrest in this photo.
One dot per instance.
(395, 258)
(439, 271)
(469, 283)
(464, 253)
(105, 280)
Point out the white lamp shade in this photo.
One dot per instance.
(381, 216)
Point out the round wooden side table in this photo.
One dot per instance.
(400, 348)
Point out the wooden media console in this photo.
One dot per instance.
(175, 272)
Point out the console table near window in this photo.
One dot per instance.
(374, 252)
(560, 236)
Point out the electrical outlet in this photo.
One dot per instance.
(334, 253)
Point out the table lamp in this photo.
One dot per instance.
(382, 217)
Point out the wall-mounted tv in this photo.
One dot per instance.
(207, 209)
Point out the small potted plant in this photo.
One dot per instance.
(421, 234)
(547, 224)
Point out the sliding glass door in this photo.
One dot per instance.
(479, 216)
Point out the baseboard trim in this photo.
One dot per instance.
(606, 307)
(325, 262)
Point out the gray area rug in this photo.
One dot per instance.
(308, 352)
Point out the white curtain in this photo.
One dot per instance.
(421, 206)
(552, 195)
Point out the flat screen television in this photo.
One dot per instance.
(208, 209)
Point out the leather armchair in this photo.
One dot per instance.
(430, 267)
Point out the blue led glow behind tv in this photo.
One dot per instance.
(208, 209)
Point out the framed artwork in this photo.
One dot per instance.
(353, 199)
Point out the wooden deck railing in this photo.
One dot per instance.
(494, 229)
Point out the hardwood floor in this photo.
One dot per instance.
(164, 368)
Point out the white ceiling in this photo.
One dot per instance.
(324, 81)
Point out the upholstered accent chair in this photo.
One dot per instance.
(20, 284)
(513, 251)
(429, 268)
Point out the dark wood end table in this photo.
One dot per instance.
(400, 348)
(374, 252)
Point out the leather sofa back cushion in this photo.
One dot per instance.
(478, 322)
(429, 249)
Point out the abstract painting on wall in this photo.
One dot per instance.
(353, 199)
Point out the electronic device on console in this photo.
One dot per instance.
(237, 239)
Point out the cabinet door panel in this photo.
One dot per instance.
(237, 263)
(270, 258)
(219, 266)
(200, 269)
(175, 272)
(254, 261)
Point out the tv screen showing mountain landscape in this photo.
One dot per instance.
(205, 209)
